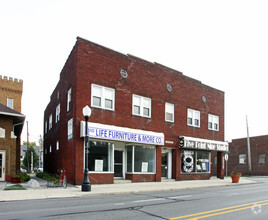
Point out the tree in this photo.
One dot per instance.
(35, 157)
(31, 144)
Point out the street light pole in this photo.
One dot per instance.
(86, 187)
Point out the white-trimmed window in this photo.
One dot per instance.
(213, 122)
(141, 106)
(141, 159)
(10, 103)
(45, 127)
(102, 97)
(169, 112)
(70, 129)
(69, 98)
(193, 118)
(57, 113)
(242, 158)
(57, 145)
(50, 122)
(261, 159)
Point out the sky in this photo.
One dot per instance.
(224, 44)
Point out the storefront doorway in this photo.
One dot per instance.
(118, 164)
(166, 164)
(2, 165)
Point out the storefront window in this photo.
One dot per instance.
(195, 161)
(144, 159)
(100, 156)
(129, 158)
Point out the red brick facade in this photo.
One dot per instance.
(258, 146)
(89, 64)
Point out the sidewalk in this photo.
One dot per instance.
(110, 189)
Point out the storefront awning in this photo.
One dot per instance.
(202, 144)
(115, 133)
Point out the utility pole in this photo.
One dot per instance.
(249, 155)
(40, 149)
(28, 166)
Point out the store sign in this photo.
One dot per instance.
(202, 144)
(111, 132)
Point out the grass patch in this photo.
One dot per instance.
(15, 187)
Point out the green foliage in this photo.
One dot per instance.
(31, 144)
(24, 177)
(15, 187)
(49, 177)
(35, 157)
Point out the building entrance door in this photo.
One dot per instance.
(164, 166)
(118, 164)
(2, 165)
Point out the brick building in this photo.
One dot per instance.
(148, 122)
(238, 157)
(11, 124)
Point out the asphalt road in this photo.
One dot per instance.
(232, 202)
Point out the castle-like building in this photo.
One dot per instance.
(11, 124)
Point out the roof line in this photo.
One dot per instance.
(12, 114)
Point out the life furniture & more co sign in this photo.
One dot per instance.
(110, 132)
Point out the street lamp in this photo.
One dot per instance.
(86, 184)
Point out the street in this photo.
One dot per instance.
(236, 202)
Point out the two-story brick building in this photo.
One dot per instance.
(148, 122)
(11, 124)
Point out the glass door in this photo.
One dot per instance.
(118, 164)
(164, 166)
(2, 165)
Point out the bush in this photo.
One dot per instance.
(24, 177)
(15, 187)
(49, 177)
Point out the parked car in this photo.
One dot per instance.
(23, 170)
(40, 169)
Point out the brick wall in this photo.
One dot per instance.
(91, 63)
(258, 145)
(11, 88)
(9, 145)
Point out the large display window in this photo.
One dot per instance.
(195, 161)
(140, 159)
(100, 156)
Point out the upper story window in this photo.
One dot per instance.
(193, 118)
(45, 127)
(57, 145)
(57, 113)
(10, 103)
(50, 122)
(69, 98)
(213, 122)
(102, 97)
(141, 106)
(70, 129)
(169, 112)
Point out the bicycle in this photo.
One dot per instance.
(63, 178)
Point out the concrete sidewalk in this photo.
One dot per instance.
(110, 189)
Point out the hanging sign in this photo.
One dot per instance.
(202, 144)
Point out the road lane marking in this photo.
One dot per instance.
(218, 210)
(155, 199)
(179, 197)
(148, 200)
(232, 210)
